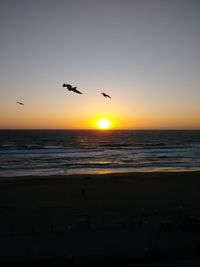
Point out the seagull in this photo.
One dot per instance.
(70, 88)
(105, 95)
(20, 103)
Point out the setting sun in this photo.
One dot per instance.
(103, 123)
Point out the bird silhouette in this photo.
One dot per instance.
(70, 88)
(105, 95)
(20, 103)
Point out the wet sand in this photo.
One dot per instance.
(110, 206)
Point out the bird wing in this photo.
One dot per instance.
(106, 95)
(76, 91)
(69, 87)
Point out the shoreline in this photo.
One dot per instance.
(101, 176)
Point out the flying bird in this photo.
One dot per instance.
(105, 95)
(20, 103)
(70, 88)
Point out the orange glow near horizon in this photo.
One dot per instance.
(60, 118)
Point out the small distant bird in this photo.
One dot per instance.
(20, 103)
(105, 95)
(70, 88)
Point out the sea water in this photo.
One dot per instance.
(48, 152)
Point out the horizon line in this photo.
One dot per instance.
(101, 130)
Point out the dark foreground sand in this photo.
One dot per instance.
(135, 216)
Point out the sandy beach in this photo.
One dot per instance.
(128, 215)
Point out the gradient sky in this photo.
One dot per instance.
(144, 53)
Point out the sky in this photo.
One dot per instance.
(144, 53)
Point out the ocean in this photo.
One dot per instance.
(65, 152)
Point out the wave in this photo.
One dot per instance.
(86, 151)
(98, 145)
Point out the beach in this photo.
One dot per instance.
(131, 215)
